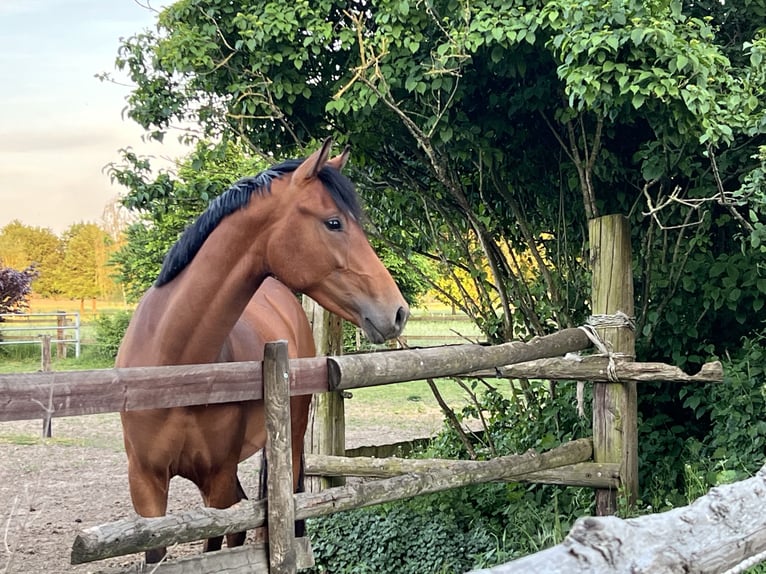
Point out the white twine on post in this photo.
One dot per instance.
(618, 319)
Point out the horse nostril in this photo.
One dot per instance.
(401, 318)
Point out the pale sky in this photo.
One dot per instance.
(59, 124)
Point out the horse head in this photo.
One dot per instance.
(320, 226)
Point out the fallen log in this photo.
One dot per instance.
(716, 533)
(139, 534)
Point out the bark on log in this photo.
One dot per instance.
(593, 368)
(136, 535)
(249, 559)
(583, 473)
(716, 533)
(371, 369)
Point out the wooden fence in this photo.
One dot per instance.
(85, 392)
(606, 463)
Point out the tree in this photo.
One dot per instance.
(15, 287)
(84, 267)
(22, 245)
(490, 128)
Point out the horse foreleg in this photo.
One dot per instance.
(222, 490)
(149, 493)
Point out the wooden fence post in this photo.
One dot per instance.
(279, 483)
(326, 431)
(614, 404)
(45, 366)
(60, 334)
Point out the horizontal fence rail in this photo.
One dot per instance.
(26, 396)
(371, 369)
(72, 393)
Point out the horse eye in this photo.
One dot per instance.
(334, 224)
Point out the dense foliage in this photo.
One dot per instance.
(110, 329)
(15, 288)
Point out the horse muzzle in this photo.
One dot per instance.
(379, 328)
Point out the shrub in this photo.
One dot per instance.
(110, 329)
(395, 538)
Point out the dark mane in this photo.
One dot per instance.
(236, 197)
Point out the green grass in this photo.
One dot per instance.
(447, 330)
(21, 439)
(26, 359)
(401, 402)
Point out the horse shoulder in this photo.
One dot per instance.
(135, 349)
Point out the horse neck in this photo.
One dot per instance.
(206, 300)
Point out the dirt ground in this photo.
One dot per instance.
(50, 490)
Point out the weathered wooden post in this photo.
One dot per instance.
(326, 431)
(60, 334)
(614, 403)
(45, 366)
(279, 483)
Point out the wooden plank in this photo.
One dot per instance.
(138, 534)
(716, 533)
(112, 390)
(615, 410)
(370, 369)
(249, 559)
(279, 483)
(594, 368)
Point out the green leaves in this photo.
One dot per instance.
(165, 204)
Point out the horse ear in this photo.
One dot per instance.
(314, 163)
(340, 160)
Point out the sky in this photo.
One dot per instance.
(59, 124)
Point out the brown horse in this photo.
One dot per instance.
(298, 221)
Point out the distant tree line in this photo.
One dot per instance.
(74, 265)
